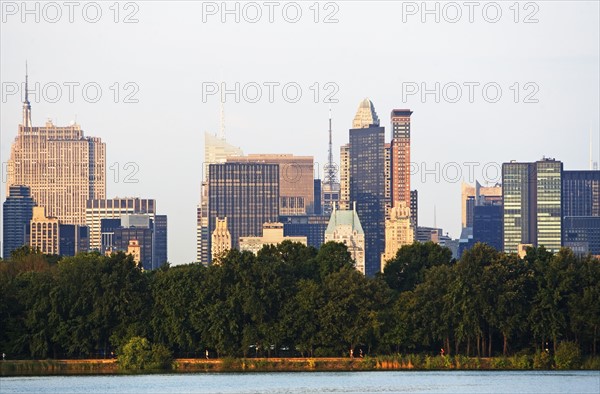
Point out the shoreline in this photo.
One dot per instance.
(10, 368)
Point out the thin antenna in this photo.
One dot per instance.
(26, 83)
(330, 171)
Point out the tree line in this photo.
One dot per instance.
(291, 300)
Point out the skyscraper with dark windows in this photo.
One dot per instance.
(367, 181)
(16, 215)
(246, 193)
(581, 211)
(160, 256)
(532, 197)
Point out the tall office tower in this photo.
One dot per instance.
(216, 151)
(62, 167)
(296, 180)
(387, 166)
(45, 232)
(272, 235)
(581, 211)
(414, 208)
(532, 194)
(221, 238)
(477, 195)
(398, 232)
(344, 177)
(400, 157)
(16, 215)
(367, 182)
(96, 210)
(330, 186)
(246, 193)
(318, 197)
(344, 227)
(160, 255)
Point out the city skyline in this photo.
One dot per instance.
(143, 133)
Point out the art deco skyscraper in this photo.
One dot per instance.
(367, 181)
(62, 167)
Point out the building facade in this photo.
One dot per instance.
(114, 208)
(44, 232)
(310, 226)
(247, 193)
(398, 232)
(532, 198)
(272, 234)
(581, 211)
(17, 212)
(400, 157)
(221, 238)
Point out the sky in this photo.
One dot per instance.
(488, 82)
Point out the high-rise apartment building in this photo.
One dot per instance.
(160, 253)
(400, 157)
(247, 193)
(532, 198)
(114, 208)
(414, 208)
(344, 177)
(344, 227)
(62, 167)
(367, 182)
(16, 214)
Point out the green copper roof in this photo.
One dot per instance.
(344, 218)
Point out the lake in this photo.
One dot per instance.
(315, 382)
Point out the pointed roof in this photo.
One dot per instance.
(344, 218)
(365, 115)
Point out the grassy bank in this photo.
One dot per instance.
(382, 363)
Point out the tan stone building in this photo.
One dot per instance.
(135, 250)
(398, 232)
(344, 227)
(62, 167)
(221, 239)
(272, 235)
(45, 232)
(472, 195)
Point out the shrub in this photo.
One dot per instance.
(500, 363)
(139, 354)
(542, 360)
(521, 361)
(568, 356)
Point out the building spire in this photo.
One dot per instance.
(26, 103)
(330, 170)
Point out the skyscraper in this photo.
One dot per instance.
(62, 167)
(216, 150)
(400, 156)
(246, 193)
(296, 180)
(344, 177)
(581, 211)
(16, 215)
(220, 238)
(532, 194)
(367, 181)
(160, 253)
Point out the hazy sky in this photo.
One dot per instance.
(380, 50)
